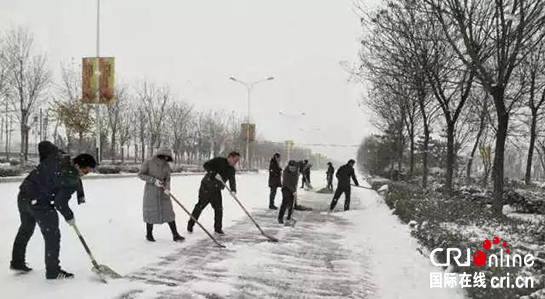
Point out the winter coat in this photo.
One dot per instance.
(344, 174)
(275, 174)
(290, 180)
(52, 182)
(306, 170)
(157, 206)
(221, 166)
(330, 172)
(45, 149)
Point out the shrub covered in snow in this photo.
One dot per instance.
(8, 171)
(108, 169)
(12, 162)
(377, 182)
(465, 221)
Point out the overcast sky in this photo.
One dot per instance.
(195, 46)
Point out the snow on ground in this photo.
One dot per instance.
(364, 253)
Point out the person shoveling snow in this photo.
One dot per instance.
(48, 189)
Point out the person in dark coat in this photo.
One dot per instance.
(302, 167)
(329, 176)
(344, 174)
(157, 206)
(218, 171)
(45, 149)
(306, 174)
(275, 181)
(289, 190)
(46, 190)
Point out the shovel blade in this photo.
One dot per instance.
(271, 239)
(104, 270)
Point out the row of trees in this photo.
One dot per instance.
(471, 73)
(142, 118)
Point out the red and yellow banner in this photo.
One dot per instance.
(89, 80)
(244, 132)
(105, 66)
(107, 79)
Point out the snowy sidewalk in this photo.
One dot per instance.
(364, 253)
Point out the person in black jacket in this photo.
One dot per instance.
(45, 149)
(329, 176)
(289, 191)
(46, 190)
(302, 168)
(306, 174)
(275, 181)
(210, 190)
(344, 174)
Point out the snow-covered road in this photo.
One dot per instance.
(364, 253)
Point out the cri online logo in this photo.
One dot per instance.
(479, 257)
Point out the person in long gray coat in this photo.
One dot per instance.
(157, 204)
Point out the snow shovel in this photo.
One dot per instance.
(193, 218)
(271, 238)
(363, 187)
(102, 271)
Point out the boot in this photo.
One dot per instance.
(149, 232)
(175, 235)
(190, 227)
(19, 267)
(61, 274)
(178, 238)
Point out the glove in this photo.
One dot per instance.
(71, 222)
(167, 192)
(218, 177)
(158, 183)
(234, 193)
(81, 200)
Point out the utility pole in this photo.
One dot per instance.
(97, 74)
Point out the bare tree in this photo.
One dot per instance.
(68, 108)
(492, 37)
(532, 75)
(478, 112)
(154, 103)
(28, 78)
(451, 83)
(117, 113)
(179, 121)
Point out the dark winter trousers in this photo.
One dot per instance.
(48, 221)
(172, 225)
(330, 184)
(287, 203)
(209, 195)
(340, 190)
(272, 196)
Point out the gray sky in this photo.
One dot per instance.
(195, 46)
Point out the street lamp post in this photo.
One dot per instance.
(249, 88)
(97, 74)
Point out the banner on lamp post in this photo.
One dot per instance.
(289, 144)
(89, 80)
(107, 79)
(244, 131)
